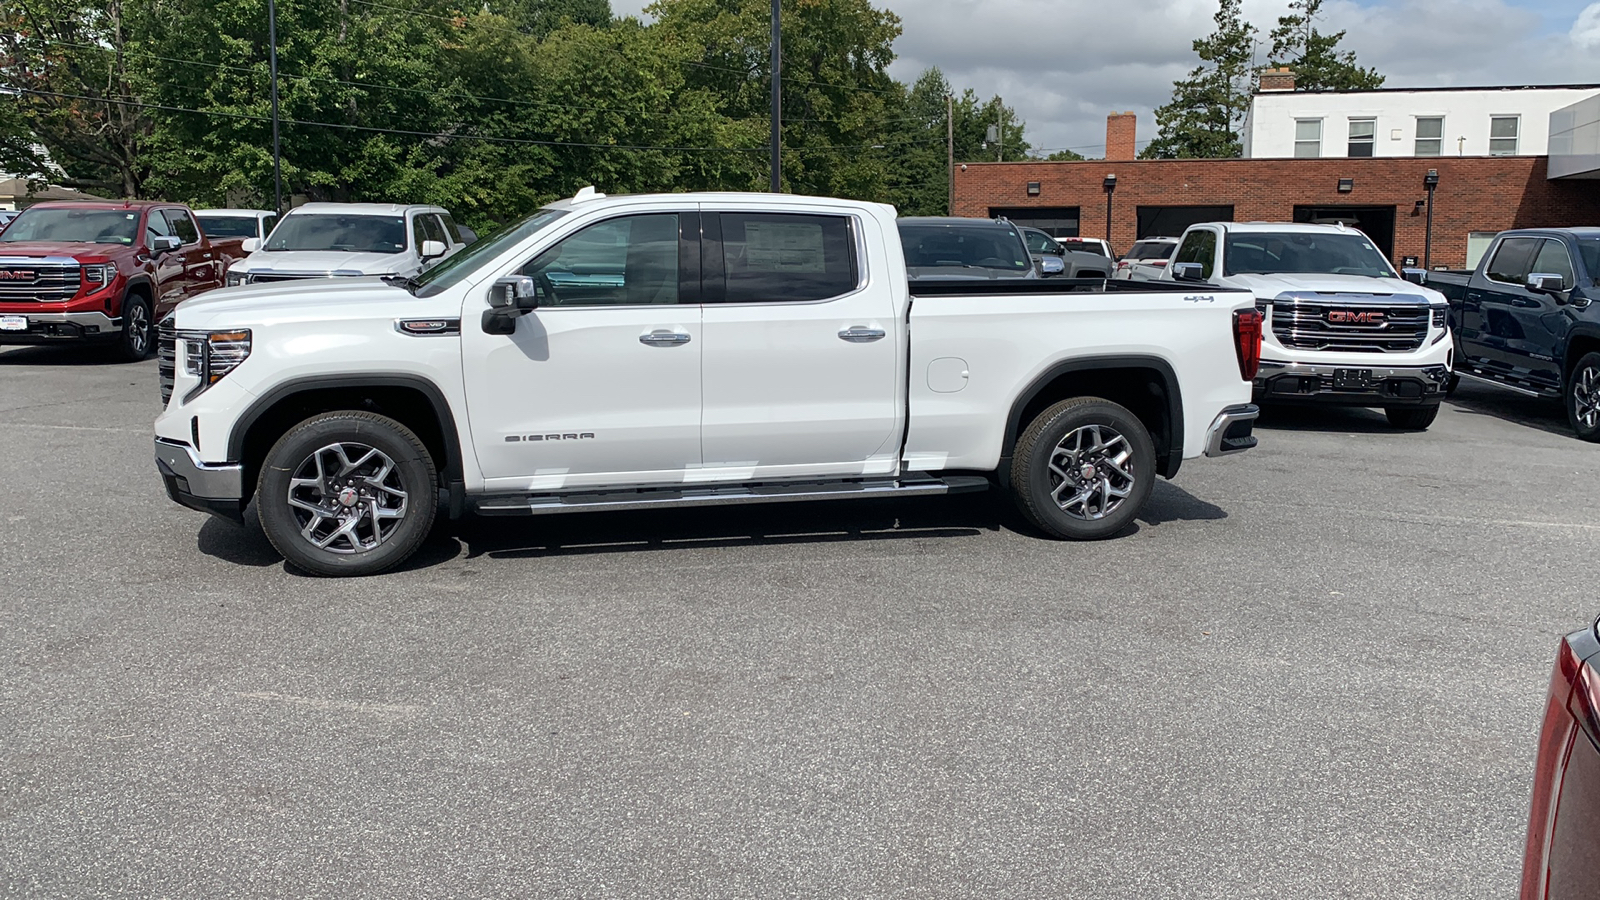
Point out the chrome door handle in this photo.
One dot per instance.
(208, 256)
(860, 335)
(664, 338)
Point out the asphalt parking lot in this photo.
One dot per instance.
(1315, 670)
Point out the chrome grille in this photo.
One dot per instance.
(1307, 326)
(167, 358)
(23, 281)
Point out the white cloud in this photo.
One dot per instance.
(1586, 30)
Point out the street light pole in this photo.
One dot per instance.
(950, 150)
(1429, 181)
(777, 102)
(277, 155)
(1111, 188)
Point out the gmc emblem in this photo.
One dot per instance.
(1352, 317)
(16, 275)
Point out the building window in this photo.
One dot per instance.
(1362, 133)
(1478, 244)
(1307, 138)
(1503, 135)
(1430, 135)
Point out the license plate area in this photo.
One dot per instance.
(13, 323)
(1352, 379)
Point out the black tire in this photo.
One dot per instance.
(405, 493)
(1412, 418)
(1036, 484)
(1582, 396)
(138, 338)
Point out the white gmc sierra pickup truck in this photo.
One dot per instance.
(678, 350)
(1342, 327)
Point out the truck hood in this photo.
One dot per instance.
(331, 298)
(325, 262)
(1266, 287)
(39, 249)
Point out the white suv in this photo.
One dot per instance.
(319, 240)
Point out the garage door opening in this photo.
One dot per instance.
(1056, 221)
(1170, 221)
(1376, 222)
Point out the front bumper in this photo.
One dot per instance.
(1351, 385)
(1230, 432)
(207, 487)
(51, 327)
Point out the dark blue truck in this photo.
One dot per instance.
(1526, 319)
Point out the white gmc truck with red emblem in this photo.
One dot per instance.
(1342, 327)
(638, 352)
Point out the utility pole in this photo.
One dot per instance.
(777, 102)
(999, 129)
(277, 155)
(950, 150)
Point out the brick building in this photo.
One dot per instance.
(1476, 196)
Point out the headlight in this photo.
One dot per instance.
(210, 355)
(1441, 314)
(233, 279)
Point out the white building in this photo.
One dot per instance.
(1495, 121)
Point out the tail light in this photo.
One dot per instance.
(1160, 264)
(1247, 341)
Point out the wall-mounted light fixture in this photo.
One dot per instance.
(1033, 189)
(1346, 185)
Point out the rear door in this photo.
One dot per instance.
(600, 385)
(802, 364)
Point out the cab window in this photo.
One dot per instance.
(1199, 247)
(626, 261)
(1513, 260)
(1554, 260)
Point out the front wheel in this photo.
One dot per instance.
(1583, 397)
(1412, 418)
(347, 493)
(1083, 469)
(138, 329)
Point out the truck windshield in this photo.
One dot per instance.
(1303, 253)
(231, 226)
(1589, 248)
(978, 246)
(450, 272)
(74, 226)
(336, 231)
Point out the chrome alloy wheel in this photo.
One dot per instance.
(138, 328)
(1091, 472)
(1586, 396)
(347, 498)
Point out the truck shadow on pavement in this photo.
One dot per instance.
(74, 354)
(1534, 412)
(962, 516)
(1347, 419)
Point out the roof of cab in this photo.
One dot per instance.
(588, 197)
(235, 212)
(366, 209)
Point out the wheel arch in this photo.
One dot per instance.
(1583, 340)
(140, 284)
(1146, 385)
(412, 400)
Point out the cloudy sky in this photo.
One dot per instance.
(1064, 64)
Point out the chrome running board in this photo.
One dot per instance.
(538, 504)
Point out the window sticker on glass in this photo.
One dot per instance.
(784, 247)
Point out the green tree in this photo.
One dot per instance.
(1065, 155)
(1207, 108)
(1315, 57)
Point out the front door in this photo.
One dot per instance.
(802, 357)
(600, 385)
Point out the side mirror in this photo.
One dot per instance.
(1052, 265)
(432, 249)
(250, 245)
(514, 292)
(161, 243)
(1188, 271)
(1546, 283)
(1415, 276)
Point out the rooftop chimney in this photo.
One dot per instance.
(1120, 136)
(1277, 79)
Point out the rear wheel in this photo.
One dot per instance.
(1412, 418)
(138, 329)
(1583, 397)
(1083, 469)
(347, 493)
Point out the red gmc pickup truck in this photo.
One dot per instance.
(102, 272)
